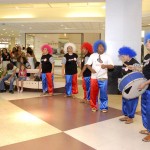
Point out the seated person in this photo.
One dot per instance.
(10, 75)
(37, 76)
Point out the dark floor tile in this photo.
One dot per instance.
(59, 141)
(64, 113)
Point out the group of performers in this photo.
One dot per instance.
(94, 71)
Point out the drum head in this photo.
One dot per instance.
(131, 90)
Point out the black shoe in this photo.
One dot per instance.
(2, 91)
(12, 92)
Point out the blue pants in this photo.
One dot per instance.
(86, 87)
(95, 86)
(2, 86)
(145, 109)
(103, 94)
(129, 106)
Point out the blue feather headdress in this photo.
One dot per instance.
(146, 38)
(97, 43)
(127, 51)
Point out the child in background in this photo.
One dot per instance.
(22, 75)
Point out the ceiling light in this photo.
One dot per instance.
(78, 4)
(95, 4)
(103, 7)
(4, 29)
(142, 33)
(84, 14)
(19, 16)
(58, 5)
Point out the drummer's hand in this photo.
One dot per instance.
(131, 67)
(93, 71)
(63, 75)
(142, 86)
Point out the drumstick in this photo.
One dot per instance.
(126, 65)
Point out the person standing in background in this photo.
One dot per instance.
(5, 57)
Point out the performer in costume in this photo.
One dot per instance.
(129, 106)
(47, 66)
(145, 99)
(87, 50)
(100, 62)
(69, 69)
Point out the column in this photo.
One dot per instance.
(123, 27)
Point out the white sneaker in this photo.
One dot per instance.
(21, 90)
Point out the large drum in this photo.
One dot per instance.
(129, 85)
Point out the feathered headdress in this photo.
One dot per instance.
(48, 47)
(71, 45)
(127, 51)
(88, 47)
(97, 43)
(146, 38)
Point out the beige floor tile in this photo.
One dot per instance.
(18, 125)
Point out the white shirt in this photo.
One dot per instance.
(96, 65)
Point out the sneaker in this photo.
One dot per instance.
(43, 94)
(104, 110)
(88, 102)
(21, 90)
(11, 91)
(94, 109)
(82, 101)
(50, 94)
(2, 91)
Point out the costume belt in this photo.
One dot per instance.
(102, 79)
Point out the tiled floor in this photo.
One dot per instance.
(31, 122)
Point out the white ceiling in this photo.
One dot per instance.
(45, 1)
(49, 16)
